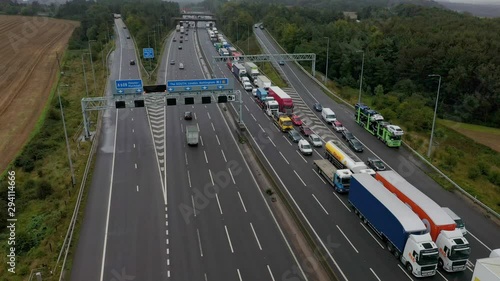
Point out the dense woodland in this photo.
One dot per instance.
(402, 45)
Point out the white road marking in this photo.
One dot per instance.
(319, 176)
(201, 139)
(194, 208)
(231, 175)
(230, 245)
(301, 156)
(345, 236)
(189, 179)
(287, 140)
(212, 126)
(217, 139)
(168, 261)
(132, 119)
(255, 234)
(211, 178)
(247, 108)
(218, 203)
(133, 130)
(374, 238)
(335, 193)
(109, 201)
(284, 158)
(271, 141)
(206, 159)
(137, 188)
(186, 157)
(468, 232)
(242, 203)
(404, 271)
(199, 241)
(253, 117)
(299, 178)
(198, 126)
(270, 273)
(135, 165)
(134, 145)
(320, 205)
(223, 155)
(209, 115)
(441, 275)
(375, 274)
(194, 116)
(318, 154)
(239, 275)
(261, 128)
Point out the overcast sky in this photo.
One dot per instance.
(497, 2)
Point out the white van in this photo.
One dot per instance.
(460, 223)
(328, 115)
(181, 65)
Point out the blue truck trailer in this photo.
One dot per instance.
(404, 234)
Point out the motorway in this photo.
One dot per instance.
(123, 231)
(355, 252)
(218, 226)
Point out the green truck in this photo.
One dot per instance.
(374, 123)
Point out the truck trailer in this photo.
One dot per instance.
(252, 70)
(239, 70)
(487, 269)
(192, 135)
(402, 230)
(284, 100)
(374, 123)
(454, 249)
(262, 82)
(340, 179)
(342, 160)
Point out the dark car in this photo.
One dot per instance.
(375, 164)
(296, 120)
(124, 27)
(347, 135)
(294, 135)
(317, 106)
(281, 62)
(180, 47)
(172, 62)
(128, 36)
(188, 115)
(356, 145)
(132, 62)
(305, 131)
(175, 40)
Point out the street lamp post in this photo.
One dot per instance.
(435, 112)
(92, 65)
(327, 49)
(66, 136)
(361, 75)
(85, 76)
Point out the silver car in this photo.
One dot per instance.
(315, 140)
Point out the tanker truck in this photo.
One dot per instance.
(342, 160)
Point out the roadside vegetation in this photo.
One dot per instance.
(402, 46)
(45, 195)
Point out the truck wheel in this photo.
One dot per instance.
(409, 267)
(440, 263)
(356, 211)
(389, 247)
(365, 221)
(397, 254)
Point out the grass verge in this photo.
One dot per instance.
(45, 196)
(484, 135)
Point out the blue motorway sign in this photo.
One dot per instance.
(148, 53)
(204, 82)
(128, 86)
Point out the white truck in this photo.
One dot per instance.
(192, 135)
(252, 70)
(262, 82)
(271, 106)
(487, 269)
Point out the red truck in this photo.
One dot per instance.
(285, 102)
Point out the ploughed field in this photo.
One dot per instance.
(28, 69)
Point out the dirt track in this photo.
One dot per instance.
(28, 68)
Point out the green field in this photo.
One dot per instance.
(484, 135)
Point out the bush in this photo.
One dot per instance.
(44, 189)
(494, 178)
(473, 173)
(484, 168)
(24, 162)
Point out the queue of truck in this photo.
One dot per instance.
(374, 123)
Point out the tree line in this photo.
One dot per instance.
(402, 46)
